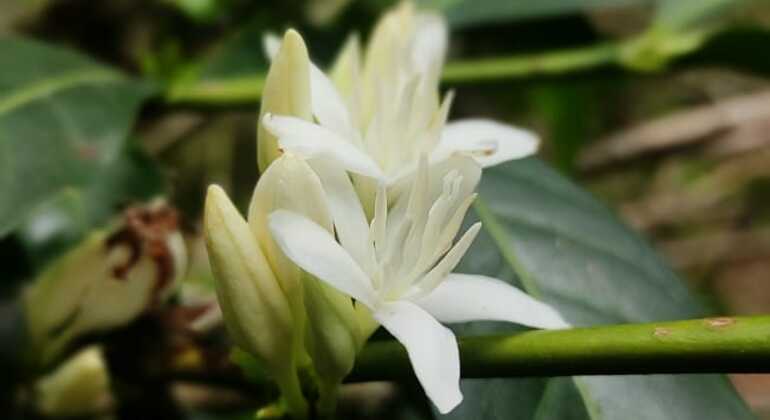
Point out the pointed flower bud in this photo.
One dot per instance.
(330, 330)
(286, 92)
(107, 281)
(255, 309)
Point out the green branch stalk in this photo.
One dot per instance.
(648, 51)
(712, 345)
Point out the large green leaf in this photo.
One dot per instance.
(69, 215)
(64, 121)
(561, 245)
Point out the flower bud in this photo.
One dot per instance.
(79, 387)
(286, 92)
(256, 311)
(331, 330)
(333, 333)
(107, 281)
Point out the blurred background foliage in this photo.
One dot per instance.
(660, 108)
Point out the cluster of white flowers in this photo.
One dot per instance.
(352, 225)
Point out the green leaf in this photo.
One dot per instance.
(64, 121)
(70, 214)
(564, 247)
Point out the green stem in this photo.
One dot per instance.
(553, 62)
(248, 89)
(226, 92)
(714, 345)
(291, 392)
(327, 401)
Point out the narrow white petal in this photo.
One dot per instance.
(489, 142)
(328, 106)
(346, 71)
(349, 218)
(314, 249)
(448, 263)
(271, 43)
(432, 350)
(467, 167)
(378, 226)
(314, 141)
(468, 297)
(429, 43)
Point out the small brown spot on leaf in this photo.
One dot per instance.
(87, 152)
(720, 322)
(661, 332)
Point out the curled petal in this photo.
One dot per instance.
(489, 142)
(314, 141)
(314, 250)
(350, 222)
(328, 106)
(432, 350)
(468, 297)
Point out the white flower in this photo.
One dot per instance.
(272, 309)
(400, 267)
(379, 113)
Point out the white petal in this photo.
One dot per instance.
(379, 222)
(277, 189)
(448, 263)
(489, 142)
(314, 249)
(346, 71)
(311, 140)
(271, 43)
(429, 43)
(468, 297)
(328, 106)
(432, 350)
(349, 218)
(467, 167)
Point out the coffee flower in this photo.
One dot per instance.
(272, 309)
(400, 267)
(380, 111)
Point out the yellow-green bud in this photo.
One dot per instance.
(286, 92)
(331, 329)
(255, 309)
